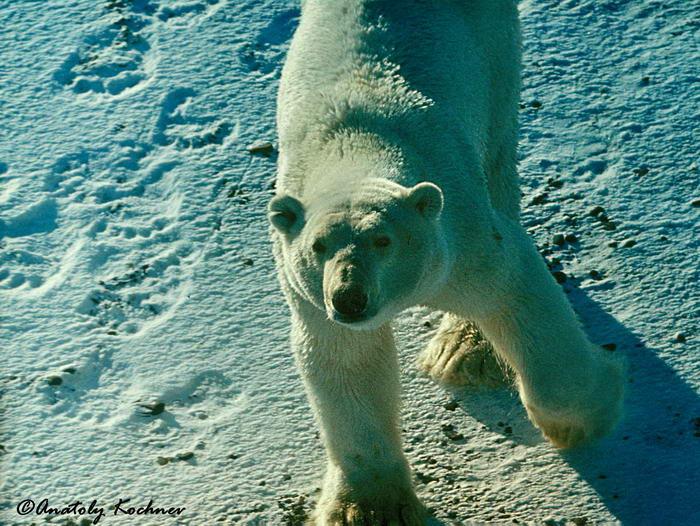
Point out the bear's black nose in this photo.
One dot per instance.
(349, 302)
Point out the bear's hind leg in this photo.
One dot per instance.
(459, 355)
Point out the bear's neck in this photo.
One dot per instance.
(357, 157)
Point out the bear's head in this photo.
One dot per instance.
(365, 255)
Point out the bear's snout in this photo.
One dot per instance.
(350, 302)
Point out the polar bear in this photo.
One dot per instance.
(397, 186)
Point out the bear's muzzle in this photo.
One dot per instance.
(350, 302)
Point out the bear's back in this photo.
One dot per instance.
(446, 72)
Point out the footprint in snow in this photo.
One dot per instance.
(179, 125)
(265, 53)
(115, 60)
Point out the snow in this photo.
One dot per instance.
(140, 318)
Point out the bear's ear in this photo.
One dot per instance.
(427, 199)
(286, 214)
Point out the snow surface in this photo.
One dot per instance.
(140, 318)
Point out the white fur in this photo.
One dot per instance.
(377, 97)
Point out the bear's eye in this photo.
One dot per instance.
(318, 247)
(382, 242)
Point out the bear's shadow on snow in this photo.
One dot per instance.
(648, 470)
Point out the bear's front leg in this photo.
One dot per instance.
(352, 380)
(571, 389)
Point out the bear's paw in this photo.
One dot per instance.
(407, 512)
(458, 355)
